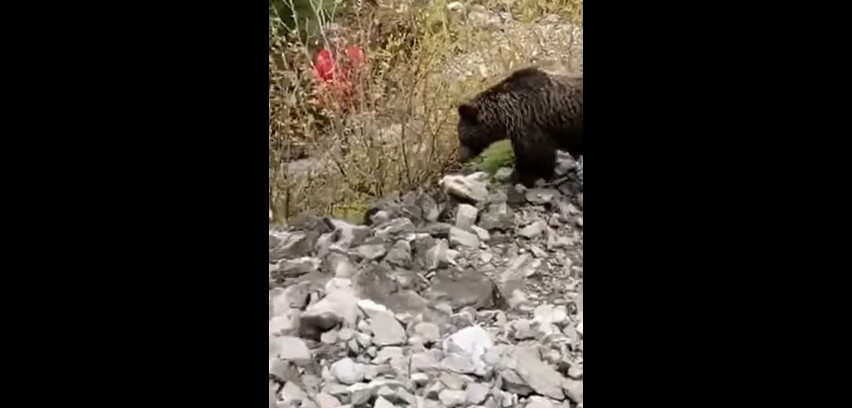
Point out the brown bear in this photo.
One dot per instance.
(539, 111)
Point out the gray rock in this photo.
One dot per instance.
(575, 372)
(562, 167)
(511, 278)
(347, 371)
(557, 315)
(290, 348)
(436, 257)
(521, 329)
(360, 393)
(437, 229)
(512, 382)
(538, 402)
(394, 227)
(471, 288)
(338, 265)
(386, 354)
(400, 254)
(465, 216)
(406, 302)
(460, 237)
(273, 399)
(454, 381)
(349, 235)
(537, 251)
(452, 398)
(292, 394)
(476, 393)
(497, 216)
(379, 217)
(428, 207)
(345, 334)
(433, 390)
(508, 399)
(371, 251)
(482, 233)
(533, 230)
(283, 370)
(426, 361)
(470, 188)
(292, 297)
(382, 403)
(395, 395)
(290, 268)
(354, 346)
(429, 332)
(503, 174)
(555, 241)
(371, 308)
(459, 364)
(573, 389)
(340, 303)
(541, 196)
(540, 376)
(376, 282)
(326, 401)
(290, 245)
(387, 331)
(329, 337)
(420, 378)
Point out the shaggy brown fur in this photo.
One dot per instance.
(538, 111)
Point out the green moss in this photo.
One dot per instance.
(499, 154)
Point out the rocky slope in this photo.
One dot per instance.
(470, 298)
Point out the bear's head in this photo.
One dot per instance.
(474, 132)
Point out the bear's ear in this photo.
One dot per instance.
(468, 112)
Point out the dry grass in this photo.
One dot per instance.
(401, 132)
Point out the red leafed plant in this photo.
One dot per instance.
(335, 89)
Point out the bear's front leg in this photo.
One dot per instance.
(535, 158)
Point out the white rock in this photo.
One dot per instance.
(471, 187)
(466, 216)
(476, 393)
(345, 334)
(573, 390)
(273, 399)
(470, 343)
(461, 237)
(347, 371)
(382, 403)
(387, 331)
(386, 354)
(341, 303)
(533, 230)
(452, 398)
(289, 348)
(420, 378)
(371, 308)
